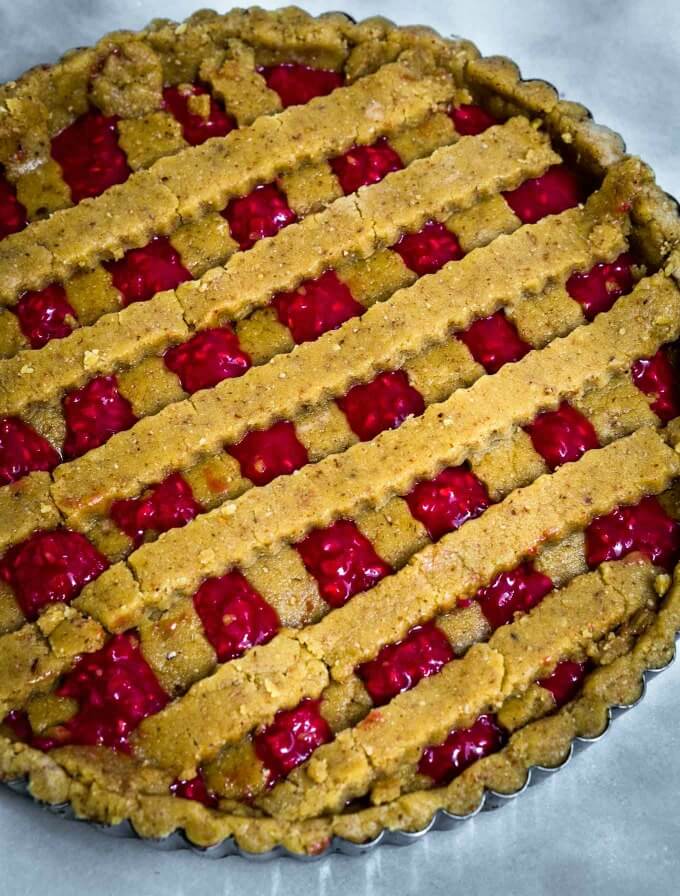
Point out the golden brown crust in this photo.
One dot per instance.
(610, 615)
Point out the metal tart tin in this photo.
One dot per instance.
(440, 821)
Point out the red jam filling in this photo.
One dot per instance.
(562, 436)
(644, 527)
(316, 306)
(267, 453)
(364, 165)
(170, 504)
(516, 591)
(207, 358)
(400, 666)
(494, 341)
(446, 502)
(195, 789)
(93, 414)
(50, 567)
(12, 213)
(115, 689)
(384, 403)
(234, 616)
(259, 214)
(17, 721)
(430, 249)
(551, 193)
(195, 128)
(141, 273)
(656, 377)
(342, 560)
(23, 451)
(445, 761)
(469, 119)
(297, 84)
(45, 315)
(291, 739)
(564, 681)
(88, 153)
(598, 289)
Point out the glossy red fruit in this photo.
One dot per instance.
(470, 120)
(401, 665)
(45, 315)
(564, 681)
(260, 214)
(196, 128)
(316, 306)
(598, 289)
(168, 505)
(446, 502)
(141, 273)
(234, 616)
(264, 454)
(296, 83)
(656, 377)
(363, 165)
(515, 591)
(291, 739)
(428, 250)
(342, 560)
(12, 213)
(89, 156)
(445, 761)
(644, 527)
(551, 193)
(494, 341)
(562, 436)
(23, 451)
(93, 414)
(48, 567)
(384, 403)
(207, 358)
(195, 789)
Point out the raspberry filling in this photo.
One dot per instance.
(45, 315)
(296, 83)
(267, 453)
(564, 681)
(428, 250)
(316, 306)
(291, 739)
(23, 451)
(259, 214)
(516, 591)
(469, 119)
(598, 289)
(384, 403)
(446, 502)
(170, 504)
(551, 193)
(364, 165)
(342, 560)
(400, 666)
(644, 527)
(207, 358)
(494, 341)
(89, 156)
(12, 213)
(49, 567)
(141, 273)
(93, 414)
(196, 128)
(562, 436)
(445, 761)
(234, 616)
(115, 689)
(195, 789)
(656, 378)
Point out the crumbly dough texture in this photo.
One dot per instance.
(399, 83)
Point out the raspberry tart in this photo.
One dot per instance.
(339, 428)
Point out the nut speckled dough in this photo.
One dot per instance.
(406, 86)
